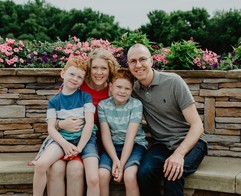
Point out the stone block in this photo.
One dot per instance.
(11, 111)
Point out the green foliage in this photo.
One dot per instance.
(129, 39)
(217, 33)
(38, 54)
(232, 60)
(38, 20)
(182, 54)
(43, 22)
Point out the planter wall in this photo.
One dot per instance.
(24, 94)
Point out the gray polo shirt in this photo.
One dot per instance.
(163, 103)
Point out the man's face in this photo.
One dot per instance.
(140, 62)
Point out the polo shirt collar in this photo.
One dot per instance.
(154, 82)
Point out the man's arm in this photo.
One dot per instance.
(173, 167)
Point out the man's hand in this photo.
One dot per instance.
(173, 167)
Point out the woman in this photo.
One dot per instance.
(102, 65)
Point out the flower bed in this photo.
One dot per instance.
(183, 55)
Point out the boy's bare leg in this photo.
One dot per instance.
(130, 179)
(50, 155)
(105, 177)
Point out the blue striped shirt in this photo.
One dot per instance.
(62, 106)
(119, 117)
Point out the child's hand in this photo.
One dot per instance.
(119, 177)
(79, 150)
(115, 168)
(69, 149)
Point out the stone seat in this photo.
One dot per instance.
(14, 168)
(220, 174)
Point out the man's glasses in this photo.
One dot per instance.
(141, 60)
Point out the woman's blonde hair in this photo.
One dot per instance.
(105, 55)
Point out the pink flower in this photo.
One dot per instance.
(85, 56)
(58, 48)
(16, 50)
(75, 39)
(10, 41)
(21, 43)
(21, 60)
(8, 53)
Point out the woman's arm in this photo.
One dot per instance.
(71, 124)
(69, 148)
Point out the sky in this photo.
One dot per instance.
(133, 13)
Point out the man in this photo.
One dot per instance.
(178, 144)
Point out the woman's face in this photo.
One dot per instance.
(99, 72)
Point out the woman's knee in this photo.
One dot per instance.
(57, 170)
(75, 169)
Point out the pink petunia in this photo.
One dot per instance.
(21, 43)
(55, 56)
(16, 50)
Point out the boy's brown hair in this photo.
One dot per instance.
(124, 73)
(76, 62)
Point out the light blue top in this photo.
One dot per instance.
(119, 117)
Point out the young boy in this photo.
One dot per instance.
(123, 138)
(71, 101)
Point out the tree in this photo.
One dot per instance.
(224, 31)
(178, 25)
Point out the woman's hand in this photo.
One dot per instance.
(72, 124)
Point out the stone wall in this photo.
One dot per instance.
(24, 94)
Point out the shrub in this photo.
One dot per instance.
(183, 55)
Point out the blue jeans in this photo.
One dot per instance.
(150, 172)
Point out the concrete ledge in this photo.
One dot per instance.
(219, 174)
(14, 168)
(238, 184)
